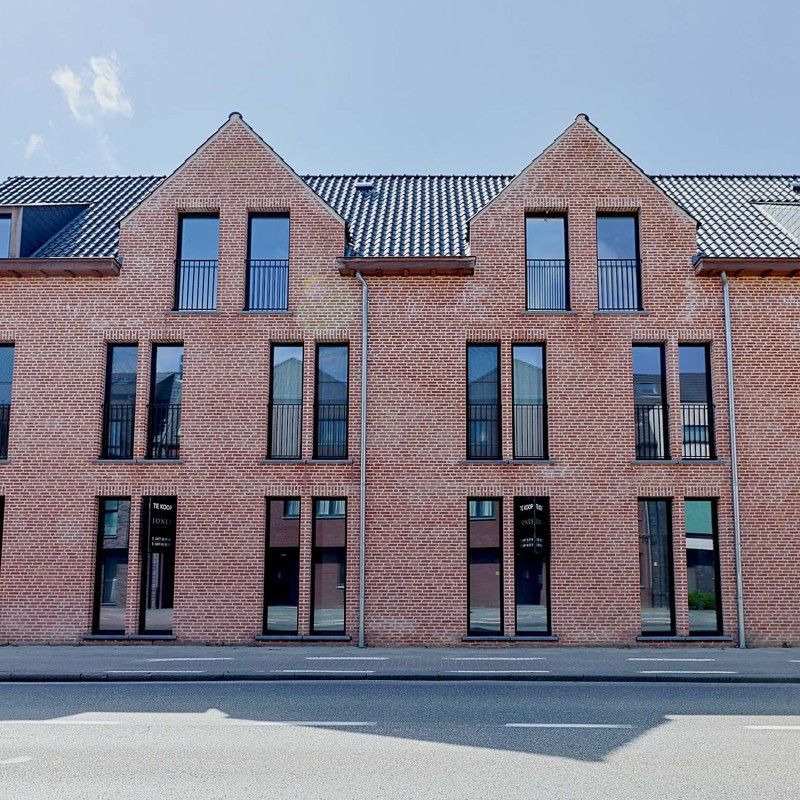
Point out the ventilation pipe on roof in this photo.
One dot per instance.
(362, 498)
(737, 532)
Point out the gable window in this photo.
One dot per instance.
(530, 408)
(650, 402)
(618, 267)
(656, 588)
(268, 263)
(546, 264)
(483, 401)
(120, 401)
(196, 268)
(164, 431)
(330, 408)
(697, 411)
(286, 401)
(5, 235)
(6, 374)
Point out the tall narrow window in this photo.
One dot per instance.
(111, 574)
(619, 286)
(282, 571)
(547, 268)
(164, 428)
(329, 566)
(532, 564)
(530, 406)
(196, 270)
(655, 567)
(5, 235)
(697, 411)
(286, 401)
(650, 402)
(2, 524)
(483, 401)
(702, 567)
(330, 417)
(120, 401)
(484, 567)
(268, 263)
(158, 564)
(6, 374)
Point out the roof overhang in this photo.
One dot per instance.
(411, 266)
(59, 267)
(763, 267)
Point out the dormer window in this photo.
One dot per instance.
(5, 235)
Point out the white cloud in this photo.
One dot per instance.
(107, 87)
(72, 88)
(35, 144)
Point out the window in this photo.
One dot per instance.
(650, 402)
(697, 411)
(165, 401)
(2, 524)
(5, 235)
(484, 568)
(268, 263)
(618, 269)
(111, 572)
(196, 270)
(483, 401)
(286, 401)
(702, 567)
(120, 401)
(330, 408)
(329, 566)
(532, 565)
(530, 408)
(655, 567)
(158, 564)
(6, 374)
(282, 570)
(547, 268)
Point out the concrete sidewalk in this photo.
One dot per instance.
(267, 663)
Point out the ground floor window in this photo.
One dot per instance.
(111, 571)
(702, 567)
(158, 564)
(655, 567)
(282, 567)
(532, 565)
(329, 565)
(484, 567)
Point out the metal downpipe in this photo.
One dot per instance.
(362, 498)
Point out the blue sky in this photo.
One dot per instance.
(431, 87)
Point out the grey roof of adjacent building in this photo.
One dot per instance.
(739, 216)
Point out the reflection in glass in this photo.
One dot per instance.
(282, 573)
(158, 574)
(5, 235)
(6, 373)
(484, 567)
(165, 401)
(546, 262)
(268, 262)
(120, 401)
(531, 564)
(702, 567)
(483, 401)
(286, 401)
(330, 435)
(649, 397)
(111, 585)
(197, 262)
(696, 408)
(329, 566)
(530, 414)
(655, 567)
(618, 278)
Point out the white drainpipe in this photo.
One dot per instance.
(362, 500)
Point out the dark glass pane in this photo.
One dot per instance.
(528, 374)
(121, 386)
(199, 238)
(329, 556)
(332, 373)
(655, 567)
(286, 398)
(545, 238)
(111, 590)
(158, 575)
(269, 237)
(531, 564)
(616, 237)
(6, 372)
(5, 235)
(331, 412)
(483, 400)
(529, 402)
(693, 371)
(168, 373)
(482, 374)
(702, 567)
(282, 573)
(648, 376)
(484, 571)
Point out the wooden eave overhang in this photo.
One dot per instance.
(412, 266)
(762, 267)
(59, 267)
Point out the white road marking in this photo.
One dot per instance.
(15, 760)
(307, 723)
(687, 672)
(347, 658)
(773, 727)
(493, 658)
(501, 671)
(329, 671)
(590, 725)
(58, 722)
(794, 661)
(156, 671)
(204, 658)
(672, 659)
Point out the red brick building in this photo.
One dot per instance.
(548, 451)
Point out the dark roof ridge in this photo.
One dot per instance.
(725, 175)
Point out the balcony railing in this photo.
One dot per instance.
(330, 440)
(530, 430)
(285, 427)
(619, 284)
(196, 285)
(484, 431)
(651, 431)
(697, 420)
(268, 284)
(164, 430)
(118, 421)
(5, 416)
(547, 282)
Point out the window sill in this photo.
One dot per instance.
(501, 461)
(105, 637)
(202, 312)
(129, 637)
(622, 311)
(5, 460)
(327, 637)
(697, 638)
(532, 312)
(522, 638)
(278, 638)
(535, 638)
(158, 461)
(690, 461)
(264, 311)
(473, 638)
(306, 460)
(114, 461)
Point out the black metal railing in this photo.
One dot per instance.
(530, 430)
(651, 431)
(330, 439)
(164, 430)
(547, 282)
(484, 430)
(268, 284)
(697, 420)
(286, 421)
(118, 422)
(5, 417)
(196, 285)
(619, 286)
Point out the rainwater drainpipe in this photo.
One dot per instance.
(737, 530)
(362, 498)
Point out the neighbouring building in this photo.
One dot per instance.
(548, 451)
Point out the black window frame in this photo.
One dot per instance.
(248, 266)
(107, 404)
(638, 259)
(545, 426)
(567, 303)
(98, 563)
(5, 409)
(10, 217)
(312, 581)
(283, 499)
(664, 405)
(670, 565)
(545, 500)
(271, 402)
(179, 260)
(152, 385)
(714, 501)
(498, 348)
(144, 566)
(712, 446)
(315, 434)
(472, 632)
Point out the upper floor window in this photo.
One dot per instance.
(196, 270)
(330, 408)
(530, 408)
(546, 264)
(120, 401)
(165, 401)
(5, 235)
(650, 402)
(697, 411)
(6, 373)
(483, 401)
(268, 262)
(286, 401)
(619, 286)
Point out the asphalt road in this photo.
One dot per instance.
(317, 739)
